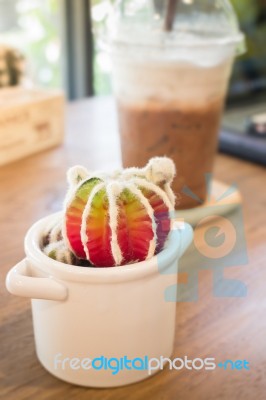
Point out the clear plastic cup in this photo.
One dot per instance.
(170, 85)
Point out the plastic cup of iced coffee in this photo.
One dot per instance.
(172, 62)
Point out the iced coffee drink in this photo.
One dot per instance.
(170, 88)
(161, 113)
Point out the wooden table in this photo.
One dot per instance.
(223, 328)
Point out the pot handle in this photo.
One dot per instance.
(20, 283)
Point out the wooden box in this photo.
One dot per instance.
(30, 120)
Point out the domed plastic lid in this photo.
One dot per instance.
(167, 24)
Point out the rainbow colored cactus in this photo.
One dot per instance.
(120, 218)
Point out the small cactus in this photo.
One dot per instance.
(55, 247)
(119, 218)
(11, 67)
(59, 252)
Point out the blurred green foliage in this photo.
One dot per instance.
(36, 34)
(249, 71)
(101, 62)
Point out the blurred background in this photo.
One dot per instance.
(51, 34)
(55, 36)
(55, 48)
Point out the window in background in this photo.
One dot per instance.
(36, 27)
(101, 64)
(33, 26)
(249, 74)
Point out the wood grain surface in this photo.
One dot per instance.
(224, 328)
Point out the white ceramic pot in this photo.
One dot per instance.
(85, 313)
